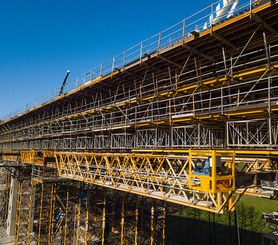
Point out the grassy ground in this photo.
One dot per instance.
(262, 205)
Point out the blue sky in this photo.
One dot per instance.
(41, 39)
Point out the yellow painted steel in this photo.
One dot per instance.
(103, 219)
(166, 177)
(66, 218)
(38, 157)
(18, 213)
(23, 212)
(10, 155)
(250, 152)
(123, 220)
(152, 224)
(40, 214)
(170, 176)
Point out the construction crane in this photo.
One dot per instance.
(64, 83)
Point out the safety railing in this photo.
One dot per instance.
(210, 16)
(120, 98)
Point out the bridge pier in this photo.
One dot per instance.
(12, 205)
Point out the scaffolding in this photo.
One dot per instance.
(159, 114)
(24, 206)
(86, 214)
(188, 117)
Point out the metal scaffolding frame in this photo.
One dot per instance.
(24, 210)
(147, 119)
(54, 212)
(188, 117)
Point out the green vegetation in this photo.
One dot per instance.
(262, 205)
(200, 227)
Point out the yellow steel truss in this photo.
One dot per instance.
(169, 175)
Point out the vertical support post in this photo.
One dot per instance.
(136, 223)
(51, 214)
(231, 68)
(58, 163)
(40, 214)
(142, 218)
(90, 74)
(224, 59)
(211, 18)
(158, 42)
(269, 81)
(219, 199)
(170, 112)
(113, 65)
(141, 51)
(213, 171)
(199, 134)
(100, 70)
(124, 59)
(123, 218)
(163, 224)
(86, 217)
(189, 168)
(103, 218)
(31, 213)
(152, 224)
(270, 131)
(234, 170)
(113, 213)
(227, 134)
(176, 81)
(222, 109)
(247, 135)
(78, 208)
(183, 30)
(18, 212)
(66, 217)
(193, 101)
(230, 202)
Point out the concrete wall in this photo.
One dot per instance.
(12, 207)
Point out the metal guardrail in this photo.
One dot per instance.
(198, 22)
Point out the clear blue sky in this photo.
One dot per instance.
(41, 39)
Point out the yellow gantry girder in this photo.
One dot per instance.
(166, 177)
(171, 176)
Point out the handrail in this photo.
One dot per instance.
(199, 21)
